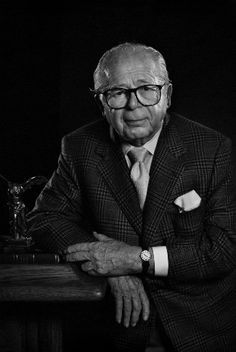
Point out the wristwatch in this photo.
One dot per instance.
(145, 256)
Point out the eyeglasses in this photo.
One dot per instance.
(117, 98)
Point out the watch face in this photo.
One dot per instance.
(145, 255)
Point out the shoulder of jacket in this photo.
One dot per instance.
(89, 133)
(187, 127)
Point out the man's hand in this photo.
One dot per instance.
(131, 299)
(106, 257)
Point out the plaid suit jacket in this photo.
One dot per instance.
(91, 190)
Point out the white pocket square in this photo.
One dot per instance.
(188, 201)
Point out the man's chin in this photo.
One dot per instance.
(137, 136)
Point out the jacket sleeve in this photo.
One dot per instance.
(213, 253)
(58, 219)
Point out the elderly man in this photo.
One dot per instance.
(144, 198)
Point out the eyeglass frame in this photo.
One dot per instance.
(128, 91)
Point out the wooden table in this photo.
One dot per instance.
(33, 299)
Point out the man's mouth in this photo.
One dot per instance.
(135, 122)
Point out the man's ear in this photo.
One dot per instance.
(100, 104)
(169, 94)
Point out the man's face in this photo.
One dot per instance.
(136, 123)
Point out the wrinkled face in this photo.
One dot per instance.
(136, 123)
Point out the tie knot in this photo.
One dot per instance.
(137, 154)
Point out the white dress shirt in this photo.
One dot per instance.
(160, 254)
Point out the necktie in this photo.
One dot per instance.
(138, 172)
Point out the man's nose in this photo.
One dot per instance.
(132, 101)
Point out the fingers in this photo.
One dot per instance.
(127, 304)
(84, 246)
(101, 237)
(87, 266)
(118, 288)
(119, 308)
(78, 256)
(131, 300)
(136, 301)
(137, 307)
(145, 305)
(90, 268)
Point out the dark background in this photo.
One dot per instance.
(48, 56)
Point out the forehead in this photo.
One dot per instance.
(136, 67)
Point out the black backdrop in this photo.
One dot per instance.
(48, 56)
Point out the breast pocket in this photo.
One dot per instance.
(189, 223)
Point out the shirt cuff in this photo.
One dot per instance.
(161, 262)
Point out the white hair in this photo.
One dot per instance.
(101, 72)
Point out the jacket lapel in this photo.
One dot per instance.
(115, 172)
(167, 165)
